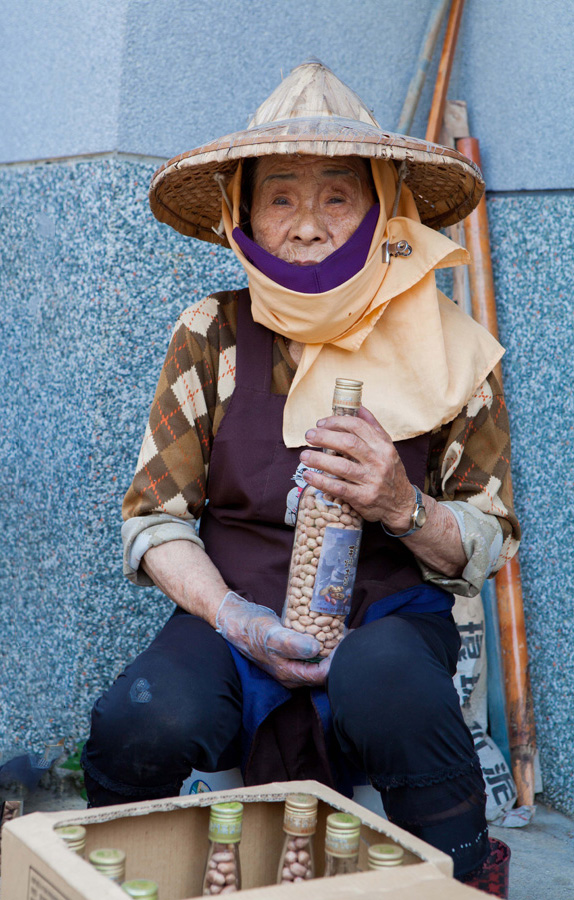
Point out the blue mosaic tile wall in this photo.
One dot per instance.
(91, 286)
(533, 260)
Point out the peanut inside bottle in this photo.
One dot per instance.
(325, 551)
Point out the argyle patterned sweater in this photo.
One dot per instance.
(469, 459)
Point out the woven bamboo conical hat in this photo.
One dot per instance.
(311, 112)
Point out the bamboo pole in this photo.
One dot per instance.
(521, 726)
(444, 69)
(425, 55)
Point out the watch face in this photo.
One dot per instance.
(420, 517)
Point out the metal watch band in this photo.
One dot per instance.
(414, 527)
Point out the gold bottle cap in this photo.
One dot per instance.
(348, 393)
(300, 814)
(109, 861)
(141, 888)
(382, 855)
(342, 835)
(74, 836)
(225, 820)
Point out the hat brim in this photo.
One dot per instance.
(184, 194)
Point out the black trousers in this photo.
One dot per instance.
(396, 714)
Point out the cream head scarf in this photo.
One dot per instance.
(420, 358)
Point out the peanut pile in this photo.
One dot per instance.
(221, 875)
(316, 511)
(297, 862)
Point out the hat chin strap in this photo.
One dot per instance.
(401, 178)
(220, 179)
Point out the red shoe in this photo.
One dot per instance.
(492, 876)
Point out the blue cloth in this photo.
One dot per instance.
(262, 694)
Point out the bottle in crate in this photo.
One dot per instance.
(111, 862)
(381, 856)
(325, 551)
(342, 844)
(141, 888)
(297, 862)
(222, 868)
(74, 837)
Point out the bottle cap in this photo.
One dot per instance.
(348, 393)
(140, 888)
(225, 821)
(300, 814)
(74, 836)
(110, 862)
(342, 835)
(382, 855)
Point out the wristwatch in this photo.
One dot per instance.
(418, 516)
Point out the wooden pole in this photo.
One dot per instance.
(444, 69)
(423, 62)
(521, 726)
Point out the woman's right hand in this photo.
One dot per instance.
(257, 633)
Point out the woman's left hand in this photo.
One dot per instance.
(374, 482)
(371, 476)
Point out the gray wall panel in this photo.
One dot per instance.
(153, 78)
(61, 67)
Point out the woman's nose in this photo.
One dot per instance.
(308, 227)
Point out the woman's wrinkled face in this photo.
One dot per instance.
(306, 207)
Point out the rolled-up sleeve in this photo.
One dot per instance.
(469, 471)
(141, 533)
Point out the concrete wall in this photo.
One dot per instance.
(62, 68)
(91, 285)
(90, 76)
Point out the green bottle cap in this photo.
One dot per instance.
(141, 888)
(74, 836)
(382, 855)
(342, 835)
(110, 862)
(225, 820)
(300, 816)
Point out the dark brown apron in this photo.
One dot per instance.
(245, 534)
(250, 474)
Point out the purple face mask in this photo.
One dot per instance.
(334, 270)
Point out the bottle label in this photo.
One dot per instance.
(299, 825)
(333, 589)
(343, 846)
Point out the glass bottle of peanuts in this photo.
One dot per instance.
(111, 862)
(381, 856)
(325, 551)
(222, 868)
(342, 844)
(297, 862)
(141, 889)
(74, 837)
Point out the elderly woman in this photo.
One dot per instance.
(324, 210)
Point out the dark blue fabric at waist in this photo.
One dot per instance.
(422, 598)
(262, 694)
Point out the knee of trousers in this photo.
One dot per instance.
(383, 685)
(147, 730)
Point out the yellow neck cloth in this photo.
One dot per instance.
(419, 357)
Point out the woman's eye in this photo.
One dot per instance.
(336, 199)
(280, 201)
